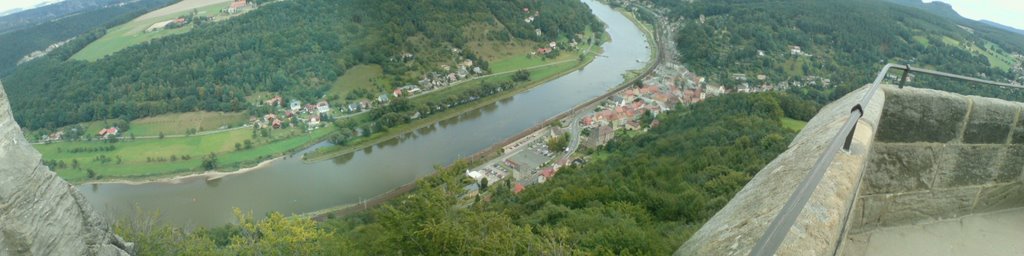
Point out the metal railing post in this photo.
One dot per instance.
(773, 237)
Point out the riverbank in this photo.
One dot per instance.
(335, 151)
(179, 178)
(294, 186)
(492, 150)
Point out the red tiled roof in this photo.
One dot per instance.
(518, 188)
(548, 172)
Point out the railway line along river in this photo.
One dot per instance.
(291, 185)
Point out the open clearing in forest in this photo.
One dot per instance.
(179, 123)
(134, 31)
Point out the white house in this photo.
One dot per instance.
(323, 107)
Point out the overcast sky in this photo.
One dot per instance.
(1006, 12)
(24, 4)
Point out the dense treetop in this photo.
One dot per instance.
(296, 48)
(17, 44)
(847, 41)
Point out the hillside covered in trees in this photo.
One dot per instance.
(296, 48)
(16, 44)
(844, 41)
(641, 194)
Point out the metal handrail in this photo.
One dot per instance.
(772, 238)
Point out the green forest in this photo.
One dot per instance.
(17, 44)
(850, 52)
(641, 194)
(295, 48)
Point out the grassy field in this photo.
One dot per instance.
(95, 126)
(794, 67)
(517, 62)
(356, 77)
(134, 32)
(134, 154)
(998, 60)
(793, 124)
(950, 41)
(492, 51)
(922, 40)
(178, 123)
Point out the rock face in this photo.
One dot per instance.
(41, 214)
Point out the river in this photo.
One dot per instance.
(293, 186)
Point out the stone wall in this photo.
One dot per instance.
(736, 227)
(938, 156)
(41, 214)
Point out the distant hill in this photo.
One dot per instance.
(941, 9)
(46, 13)
(844, 41)
(1003, 27)
(11, 11)
(294, 48)
(16, 44)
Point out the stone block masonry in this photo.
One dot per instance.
(974, 165)
(919, 156)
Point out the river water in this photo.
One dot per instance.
(292, 186)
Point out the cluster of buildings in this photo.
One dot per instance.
(670, 85)
(527, 161)
(448, 74)
(282, 116)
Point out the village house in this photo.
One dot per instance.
(295, 105)
(269, 117)
(397, 93)
(599, 136)
(314, 120)
(353, 107)
(410, 89)
(105, 133)
(364, 104)
(323, 107)
(276, 124)
(383, 98)
(310, 108)
(542, 51)
(795, 50)
(275, 101)
(237, 7)
(55, 136)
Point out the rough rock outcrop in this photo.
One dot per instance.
(41, 214)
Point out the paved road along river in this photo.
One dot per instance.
(292, 186)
